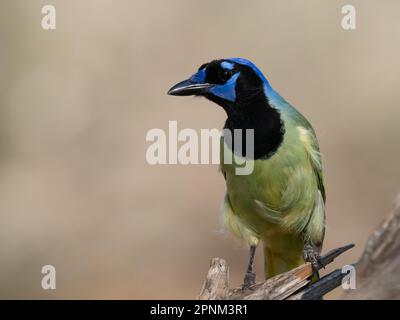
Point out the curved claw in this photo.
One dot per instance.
(311, 254)
(249, 280)
(317, 263)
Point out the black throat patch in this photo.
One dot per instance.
(251, 110)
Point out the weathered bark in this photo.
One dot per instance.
(216, 285)
(378, 271)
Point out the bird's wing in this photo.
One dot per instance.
(314, 231)
(297, 169)
(308, 137)
(236, 225)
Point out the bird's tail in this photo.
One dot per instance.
(276, 262)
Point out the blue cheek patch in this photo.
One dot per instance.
(226, 91)
(227, 65)
(199, 77)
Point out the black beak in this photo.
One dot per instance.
(189, 88)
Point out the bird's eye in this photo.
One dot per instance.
(225, 74)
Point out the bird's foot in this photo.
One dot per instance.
(249, 280)
(311, 254)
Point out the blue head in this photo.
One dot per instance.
(230, 83)
(242, 90)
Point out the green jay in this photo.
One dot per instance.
(281, 202)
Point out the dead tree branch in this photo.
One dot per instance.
(378, 271)
(280, 287)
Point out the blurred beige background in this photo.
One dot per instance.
(76, 103)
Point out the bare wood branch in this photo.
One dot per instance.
(378, 275)
(216, 285)
(321, 287)
(276, 288)
(333, 254)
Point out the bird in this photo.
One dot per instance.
(281, 203)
